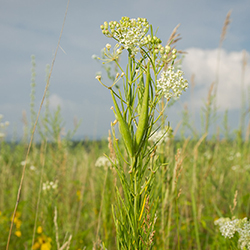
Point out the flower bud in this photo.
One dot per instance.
(167, 48)
(108, 46)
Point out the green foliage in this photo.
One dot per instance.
(81, 191)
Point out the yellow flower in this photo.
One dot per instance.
(18, 215)
(46, 246)
(18, 233)
(39, 230)
(43, 243)
(36, 246)
(18, 223)
(78, 194)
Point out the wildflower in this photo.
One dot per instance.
(238, 154)
(130, 33)
(244, 232)
(32, 168)
(18, 233)
(94, 57)
(78, 194)
(171, 83)
(102, 161)
(229, 227)
(39, 230)
(43, 243)
(161, 136)
(108, 46)
(24, 162)
(50, 185)
(236, 168)
(111, 56)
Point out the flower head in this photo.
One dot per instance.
(102, 161)
(130, 33)
(171, 83)
(161, 136)
(229, 227)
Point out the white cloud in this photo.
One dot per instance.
(204, 65)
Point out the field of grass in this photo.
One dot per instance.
(196, 187)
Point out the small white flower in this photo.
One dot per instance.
(108, 46)
(32, 168)
(236, 167)
(24, 162)
(94, 57)
(50, 185)
(238, 154)
(102, 161)
(160, 136)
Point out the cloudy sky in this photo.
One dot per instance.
(31, 27)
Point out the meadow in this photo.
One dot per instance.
(68, 192)
(196, 187)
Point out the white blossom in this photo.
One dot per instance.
(160, 136)
(50, 185)
(171, 83)
(102, 161)
(229, 227)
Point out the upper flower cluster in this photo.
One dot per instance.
(129, 33)
(172, 83)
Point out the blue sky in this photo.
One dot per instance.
(33, 28)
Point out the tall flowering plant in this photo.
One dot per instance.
(149, 76)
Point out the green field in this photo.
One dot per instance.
(196, 188)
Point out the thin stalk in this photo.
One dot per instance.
(33, 132)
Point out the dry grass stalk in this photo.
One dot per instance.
(111, 148)
(234, 202)
(65, 244)
(248, 132)
(225, 27)
(33, 131)
(210, 95)
(174, 37)
(42, 160)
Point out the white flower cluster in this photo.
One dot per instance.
(129, 33)
(160, 136)
(229, 227)
(244, 232)
(3, 126)
(50, 185)
(172, 83)
(102, 161)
